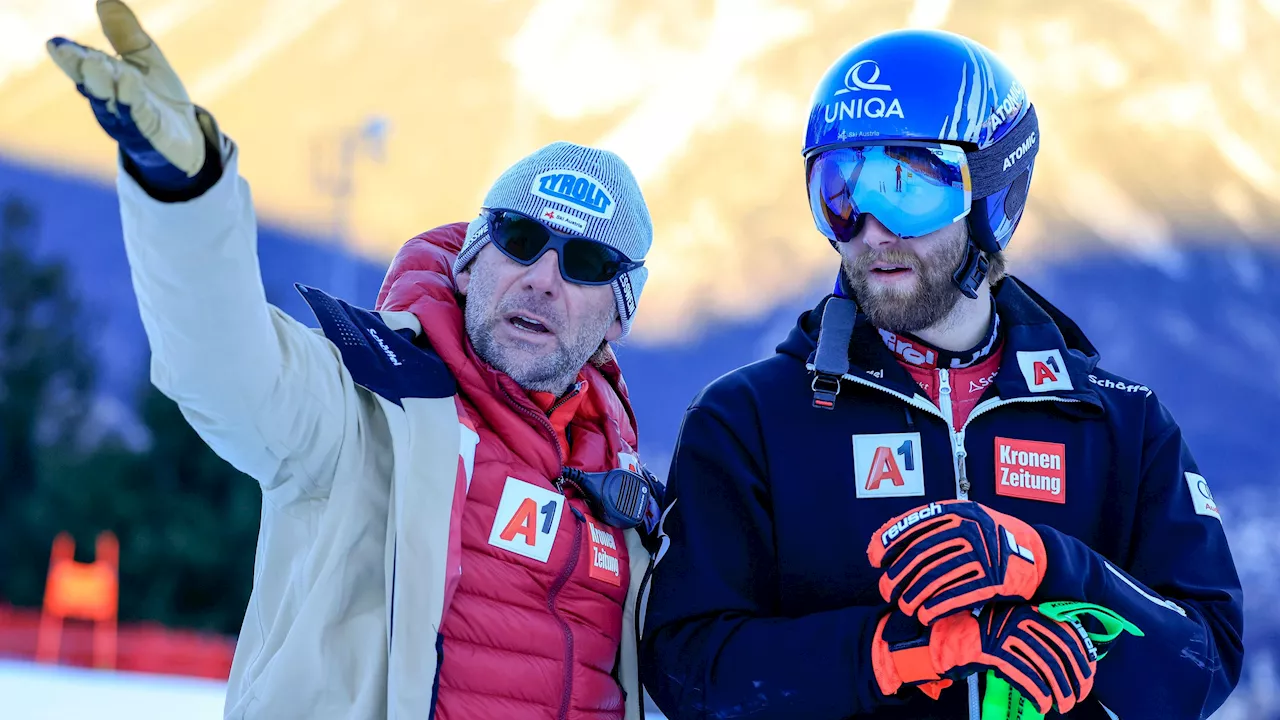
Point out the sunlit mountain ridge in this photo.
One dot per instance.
(1158, 118)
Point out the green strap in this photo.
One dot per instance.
(1002, 702)
(1112, 623)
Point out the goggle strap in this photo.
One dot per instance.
(987, 167)
(831, 359)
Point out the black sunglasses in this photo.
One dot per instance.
(582, 261)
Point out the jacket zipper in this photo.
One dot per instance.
(958, 454)
(644, 582)
(560, 483)
(564, 398)
(545, 422)
(542, 419)
(556, 587)
(567, 571)
(958, 457)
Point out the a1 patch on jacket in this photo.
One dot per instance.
(1044, 371)
(888, 465)
(1031, 470)
(527, 519)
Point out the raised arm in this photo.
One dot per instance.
(267, 394)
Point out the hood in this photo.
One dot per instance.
(420, 280)
(1021, 306)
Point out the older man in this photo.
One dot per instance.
(451, 491)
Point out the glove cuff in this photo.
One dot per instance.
(882, 661)
(901, 660)
(170, 191)
(1028, 567)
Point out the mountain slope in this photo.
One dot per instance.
(1157, 117)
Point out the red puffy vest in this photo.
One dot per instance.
(534, 624)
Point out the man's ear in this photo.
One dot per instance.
(463, 279)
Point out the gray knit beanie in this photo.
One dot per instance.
(581, 191)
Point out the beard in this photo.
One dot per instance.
(932, 298)
(532, 366)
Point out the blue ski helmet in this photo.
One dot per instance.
(932, 86)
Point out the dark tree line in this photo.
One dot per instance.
(186, 521)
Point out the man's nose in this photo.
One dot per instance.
(544, 275)
(875, 235)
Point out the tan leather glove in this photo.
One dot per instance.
(139, 99)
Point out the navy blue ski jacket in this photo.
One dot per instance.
(763, 604)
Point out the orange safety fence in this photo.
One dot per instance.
(140, 647)
(78, 624)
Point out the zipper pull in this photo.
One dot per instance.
(944, 382)
(577, 387)
(961, 456)
(572, 478)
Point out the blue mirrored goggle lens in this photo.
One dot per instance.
(912, 190)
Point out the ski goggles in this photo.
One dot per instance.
(582, 261)
(912, 189)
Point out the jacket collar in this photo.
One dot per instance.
(1045, 354)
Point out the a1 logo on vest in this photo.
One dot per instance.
(888, 465)
(1044, 371)
(527, 520)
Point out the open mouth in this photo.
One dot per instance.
(528, 324)
(891, 270)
